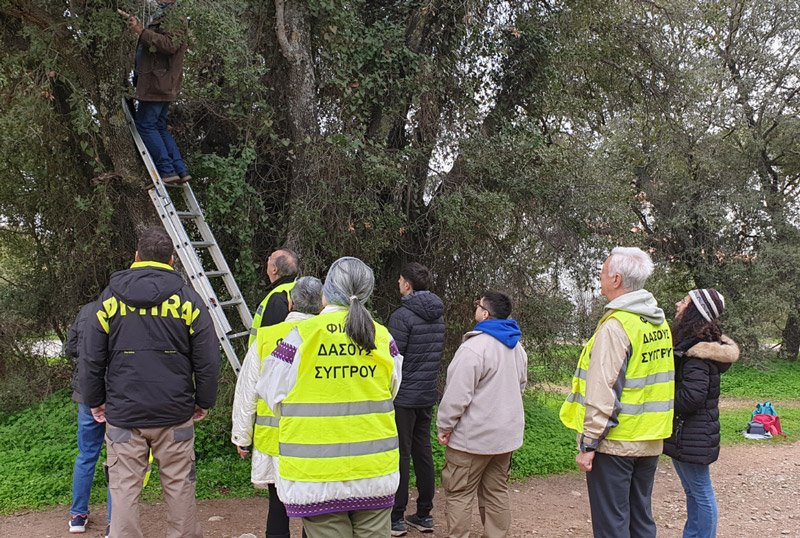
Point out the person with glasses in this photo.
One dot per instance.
(481, 419)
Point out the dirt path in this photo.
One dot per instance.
(756, 485)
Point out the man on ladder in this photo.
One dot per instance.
(282, 273)
(158, 73)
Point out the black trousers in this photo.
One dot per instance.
(620, 492)
(277, 520)
(414, 433)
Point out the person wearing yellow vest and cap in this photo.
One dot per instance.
(332, 382)
(282, 272)
(621, 400)
(253, 422)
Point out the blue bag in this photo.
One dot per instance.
(765, 409)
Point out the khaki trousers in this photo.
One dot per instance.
(464, 475)
(128, 453)
(355, 524)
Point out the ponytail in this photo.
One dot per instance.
(359, 326)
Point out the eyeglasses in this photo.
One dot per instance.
(477, 304)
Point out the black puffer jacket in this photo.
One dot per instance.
(418, 329)
(150, 351)
(695, 431)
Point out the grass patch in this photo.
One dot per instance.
(39, 450)
(774, 380)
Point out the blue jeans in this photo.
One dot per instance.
(90, 442)
(701, 505)
(151, 122)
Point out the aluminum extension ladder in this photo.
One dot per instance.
(187, 249)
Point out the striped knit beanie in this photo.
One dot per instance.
(709, 302)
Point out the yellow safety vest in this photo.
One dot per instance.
(337, 423)
(647, 396)
(265, 433)
(283, 288)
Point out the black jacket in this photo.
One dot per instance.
(418, 329)
(277, 308)
(150, 352)
(695, 431)
(75, 343)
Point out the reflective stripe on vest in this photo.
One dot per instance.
(336, 409)
(283, 288)
(338, 450)
(337, 422)
(646, 401)
(265, 433)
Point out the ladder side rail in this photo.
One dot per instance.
(197, 279)
(175, 228)
(189, 259)
(219, 259)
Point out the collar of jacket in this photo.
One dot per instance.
(159, 265)
(725, 351)
(282, 280)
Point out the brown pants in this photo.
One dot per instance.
(128, 452)
(355, 524)
(466, 474)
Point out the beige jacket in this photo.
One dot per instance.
(482, 401)
(610, 354)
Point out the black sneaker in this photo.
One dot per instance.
(398, 528)
(422, 524)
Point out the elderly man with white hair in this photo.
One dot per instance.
(621, 399)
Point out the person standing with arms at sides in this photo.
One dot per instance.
(150, 369)
(702, 355)
(620, 404)
(158, 74)
(253, 422)
(331, 381)
(481, 418)
(418, 328)
(90, 434)
(282, 272)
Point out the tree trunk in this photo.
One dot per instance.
(293, 30)
(791, 337)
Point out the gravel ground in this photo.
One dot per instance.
(756, 485)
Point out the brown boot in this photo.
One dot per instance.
(172, 179)
(185, 178)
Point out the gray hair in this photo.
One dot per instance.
(632, 264)
(286, 263)
(307, 295)
(349, 283)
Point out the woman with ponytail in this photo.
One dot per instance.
(332, 381)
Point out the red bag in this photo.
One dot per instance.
(771, 423)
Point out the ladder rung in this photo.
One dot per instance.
(238, 335)
(212, 274)
(232, 302)
(187, 214)
(202, 244)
